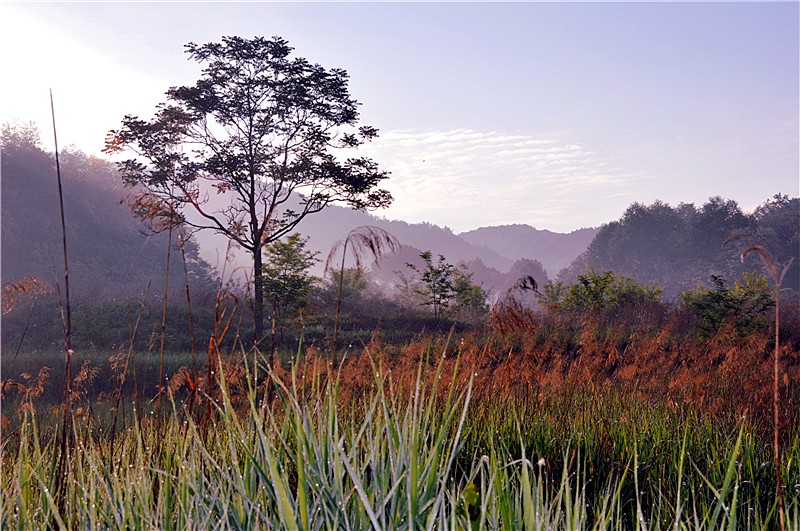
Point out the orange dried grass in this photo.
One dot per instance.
(15, 291)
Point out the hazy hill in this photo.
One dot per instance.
(554, 250)
(335, 222)
(496, 283)
(676, 247)
(109, 256)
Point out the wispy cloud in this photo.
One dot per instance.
(466, 179)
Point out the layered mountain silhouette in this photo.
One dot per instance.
(553, 249)
(110, 257)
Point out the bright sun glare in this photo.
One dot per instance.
(40, 58)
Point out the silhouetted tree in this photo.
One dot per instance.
(260, 129)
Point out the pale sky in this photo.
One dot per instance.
(558, 115)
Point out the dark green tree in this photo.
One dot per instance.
(447, 288)
(437, 282)
(287, 282)
(261, 129)
(469, 298)
(354, 284)
(744, 305)
(593, 292)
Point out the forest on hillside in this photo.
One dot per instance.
(682, 247)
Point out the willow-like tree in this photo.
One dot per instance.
(261, 129)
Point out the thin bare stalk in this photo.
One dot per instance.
(272, 334)
(182, 237)
(67, 441)
(775, 407)
(771, 265)
(119, 407)
(164, 325)
(338, 304)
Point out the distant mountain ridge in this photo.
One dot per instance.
(553, 249)
(496, 247)
(493, 254)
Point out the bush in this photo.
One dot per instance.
(745, 305)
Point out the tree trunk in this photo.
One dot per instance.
(258, 298)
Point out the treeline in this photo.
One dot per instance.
(674, 254)
(681, 248)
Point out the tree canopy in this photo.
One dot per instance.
(261, 130)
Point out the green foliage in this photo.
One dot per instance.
(745, 305)
(437, 282)
(447, 287)
(598, 292)
(287, 282)
(678, 247)
(469, 298)
(354, 286)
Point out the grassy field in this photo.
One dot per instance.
(407, 439)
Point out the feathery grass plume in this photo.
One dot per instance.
(777, 274)
(364, 241)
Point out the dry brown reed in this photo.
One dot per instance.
(17, 290)
(726, 373)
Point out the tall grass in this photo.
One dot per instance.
(395, 458)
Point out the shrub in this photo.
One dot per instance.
(745, 305)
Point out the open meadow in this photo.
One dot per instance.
(486, 429)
